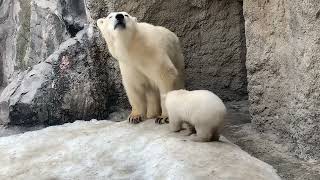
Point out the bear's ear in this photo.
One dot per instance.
(100, 21)
(134, 19)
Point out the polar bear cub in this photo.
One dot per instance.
(201, 110)
(150, 60)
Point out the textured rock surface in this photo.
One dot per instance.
(266, 146)
(47, 32)
(106, 150)
(283, 50)
(8, 28)
(211, 33)
(73, 83)
(31, 30)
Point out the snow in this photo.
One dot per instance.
(119, 150)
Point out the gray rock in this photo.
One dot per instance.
(283, 71)
(31, 30)
(74, 15)
(73, 83)
(47, 32)
(8, 30)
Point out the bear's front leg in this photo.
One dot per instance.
(133, 84)
(138, 105)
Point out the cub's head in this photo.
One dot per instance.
(117, 23)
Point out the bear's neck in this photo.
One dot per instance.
(122, 45)
(124, 40)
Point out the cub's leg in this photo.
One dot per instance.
(216, 136)
(190, 130)
(175, 125)
(153, 103)
(204, 134)
(133, 82)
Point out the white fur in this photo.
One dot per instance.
(150, 60)
(201, 109)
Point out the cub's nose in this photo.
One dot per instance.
(119, 17)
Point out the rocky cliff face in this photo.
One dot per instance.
(77, 78)
(211, 33)
(283, 50)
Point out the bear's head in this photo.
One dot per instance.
(117, 25)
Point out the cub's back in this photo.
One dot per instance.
(206, 99)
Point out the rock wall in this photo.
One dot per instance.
(283, 50)
(61, 75)
(211, 33)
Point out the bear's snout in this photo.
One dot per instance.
(120, 22)
(119, 17)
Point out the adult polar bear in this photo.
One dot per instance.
(150, 60)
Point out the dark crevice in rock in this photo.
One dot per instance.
(1, 70)
(318, 14)
(243, 51)
(74, 15)
(73, 29)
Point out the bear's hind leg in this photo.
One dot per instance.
(167, 82)
(153, 103)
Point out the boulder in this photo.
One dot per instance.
(283, 50)
(73, 83)
(109, 150)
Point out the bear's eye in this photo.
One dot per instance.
(110, 17)
(126, 15)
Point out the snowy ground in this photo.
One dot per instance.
(240, 131)
(119, 150)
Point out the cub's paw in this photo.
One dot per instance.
(187, 132)
(135, 119)
(195, 138)
(162, 120)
